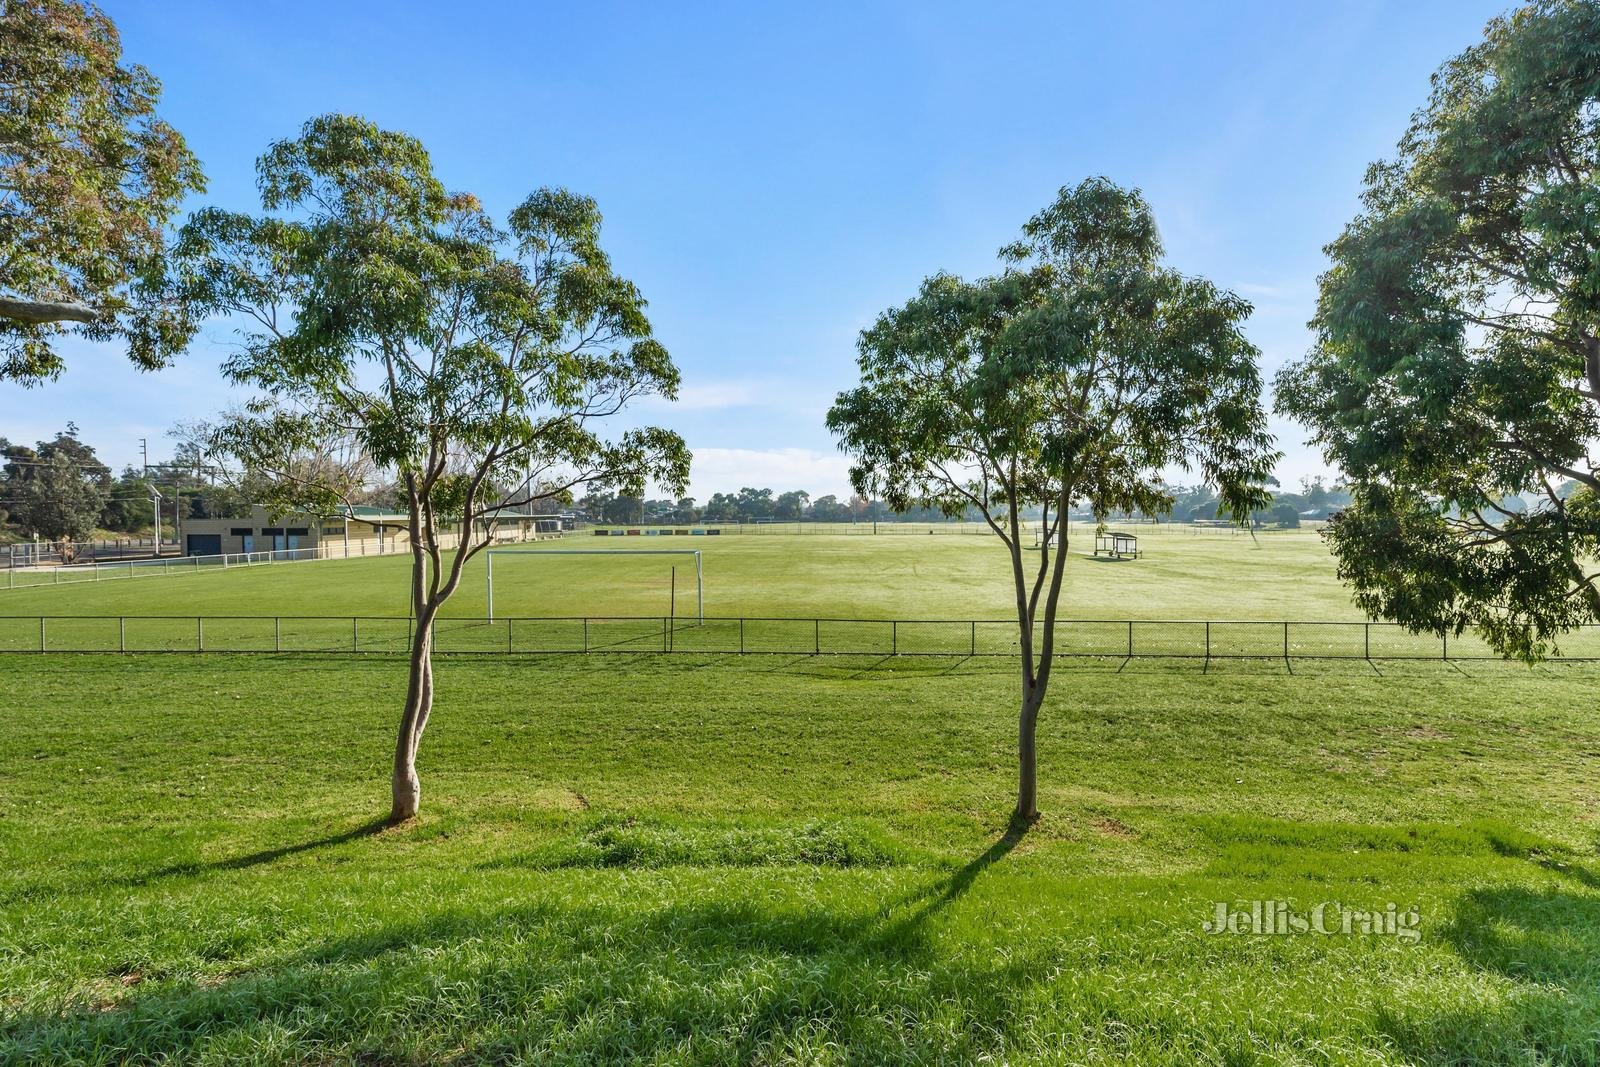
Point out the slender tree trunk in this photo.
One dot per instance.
(428, 596)
(1027, 761)
(1036, 672)
(406, 787)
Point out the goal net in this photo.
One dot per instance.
(654, 582)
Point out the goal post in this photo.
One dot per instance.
(699, 578)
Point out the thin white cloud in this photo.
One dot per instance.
(727, 470)
(1294, 290)
(734, 393)
(715, 396)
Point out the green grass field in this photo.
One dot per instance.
(1183, 576)
(714, 859)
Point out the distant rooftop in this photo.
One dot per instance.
(367, 513)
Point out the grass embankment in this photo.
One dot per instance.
(735, 860)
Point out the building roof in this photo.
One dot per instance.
(364, 513)
(375, 516)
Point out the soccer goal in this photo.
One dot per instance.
(699, 579)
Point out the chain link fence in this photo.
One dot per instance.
(1114, 639)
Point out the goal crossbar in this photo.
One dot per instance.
(699, 581)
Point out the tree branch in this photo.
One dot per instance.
(37, 312)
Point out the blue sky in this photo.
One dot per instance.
(773, 177)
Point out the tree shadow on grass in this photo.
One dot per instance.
(939, 895)
(1546, 941)
(676, 965)
(729, 978)
(263, 856)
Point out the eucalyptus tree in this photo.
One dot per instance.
(1457, 353)
(56, 492)
(478, 363)
(89, 177)
(1078, 375)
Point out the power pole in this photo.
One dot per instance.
(155, 497)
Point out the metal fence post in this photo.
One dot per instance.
(894, 637)
(1444, 648)
(122, 633)
(1130, 638)
(508, 636)
(1286, 640)
(41, 633)
(586, 634)
(816, 637)
(199, 634)
(741, 635)
(972, 647)
(354, 642)
(277, 633)
(1208, 639)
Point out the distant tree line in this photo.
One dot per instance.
(748, 505)
(1316, 500)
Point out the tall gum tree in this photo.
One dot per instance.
(1457, 353)
(1076, 376)
(477, 363)
(89, 177)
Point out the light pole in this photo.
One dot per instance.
(155, 500)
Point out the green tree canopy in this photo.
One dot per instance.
(129, 507)
(1078, 375)
(791, 506)
(478, 363)
(56, 491)
(1284, 514)
(1457, 356)
(89, 175)
(829, 509)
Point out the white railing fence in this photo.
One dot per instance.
(75, 574)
